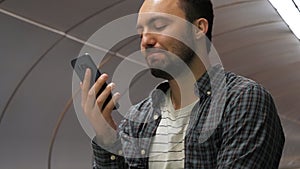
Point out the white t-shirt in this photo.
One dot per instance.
(167, 148)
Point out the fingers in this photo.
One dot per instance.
(104, 95)
(85, 85)
(108, 110)
(89, 94)
(111, 104)
(92, 106)
(90, 100)
(99, 83)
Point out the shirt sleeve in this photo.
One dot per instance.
(252, 134)
(103, 159)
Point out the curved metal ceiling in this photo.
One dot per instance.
(39, 38)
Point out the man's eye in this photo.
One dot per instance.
(160, 26)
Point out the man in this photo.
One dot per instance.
(200, 118)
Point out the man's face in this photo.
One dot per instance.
(162, 52)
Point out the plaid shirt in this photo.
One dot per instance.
(244, 131)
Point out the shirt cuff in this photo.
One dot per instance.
(107, 159)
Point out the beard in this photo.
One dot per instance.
(178, 62)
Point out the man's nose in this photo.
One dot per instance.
(148, 40)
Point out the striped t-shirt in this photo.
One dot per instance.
(167, 148)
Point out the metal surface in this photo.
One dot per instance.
(251, 38)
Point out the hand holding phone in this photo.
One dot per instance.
(80, 66)
(96, 107)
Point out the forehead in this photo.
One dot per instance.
(162, 6)
(157, 8)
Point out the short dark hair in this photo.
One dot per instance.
(195, 9)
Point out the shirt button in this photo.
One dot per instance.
(120, 152)
(208, 92)
(155, 117)
(143, 152)
(112, 157)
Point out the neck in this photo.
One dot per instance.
(182, 87)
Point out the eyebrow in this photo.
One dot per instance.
(151, 21)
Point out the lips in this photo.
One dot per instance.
(154, 52)
(153, 57)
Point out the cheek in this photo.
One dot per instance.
(182, 35)
(166, 43)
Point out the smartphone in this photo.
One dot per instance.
(80, 65)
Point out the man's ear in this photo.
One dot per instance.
(202, 25)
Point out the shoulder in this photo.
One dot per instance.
(247, 96)
(240, 86)
(240, 83)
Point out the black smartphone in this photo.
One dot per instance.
(80, 65)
